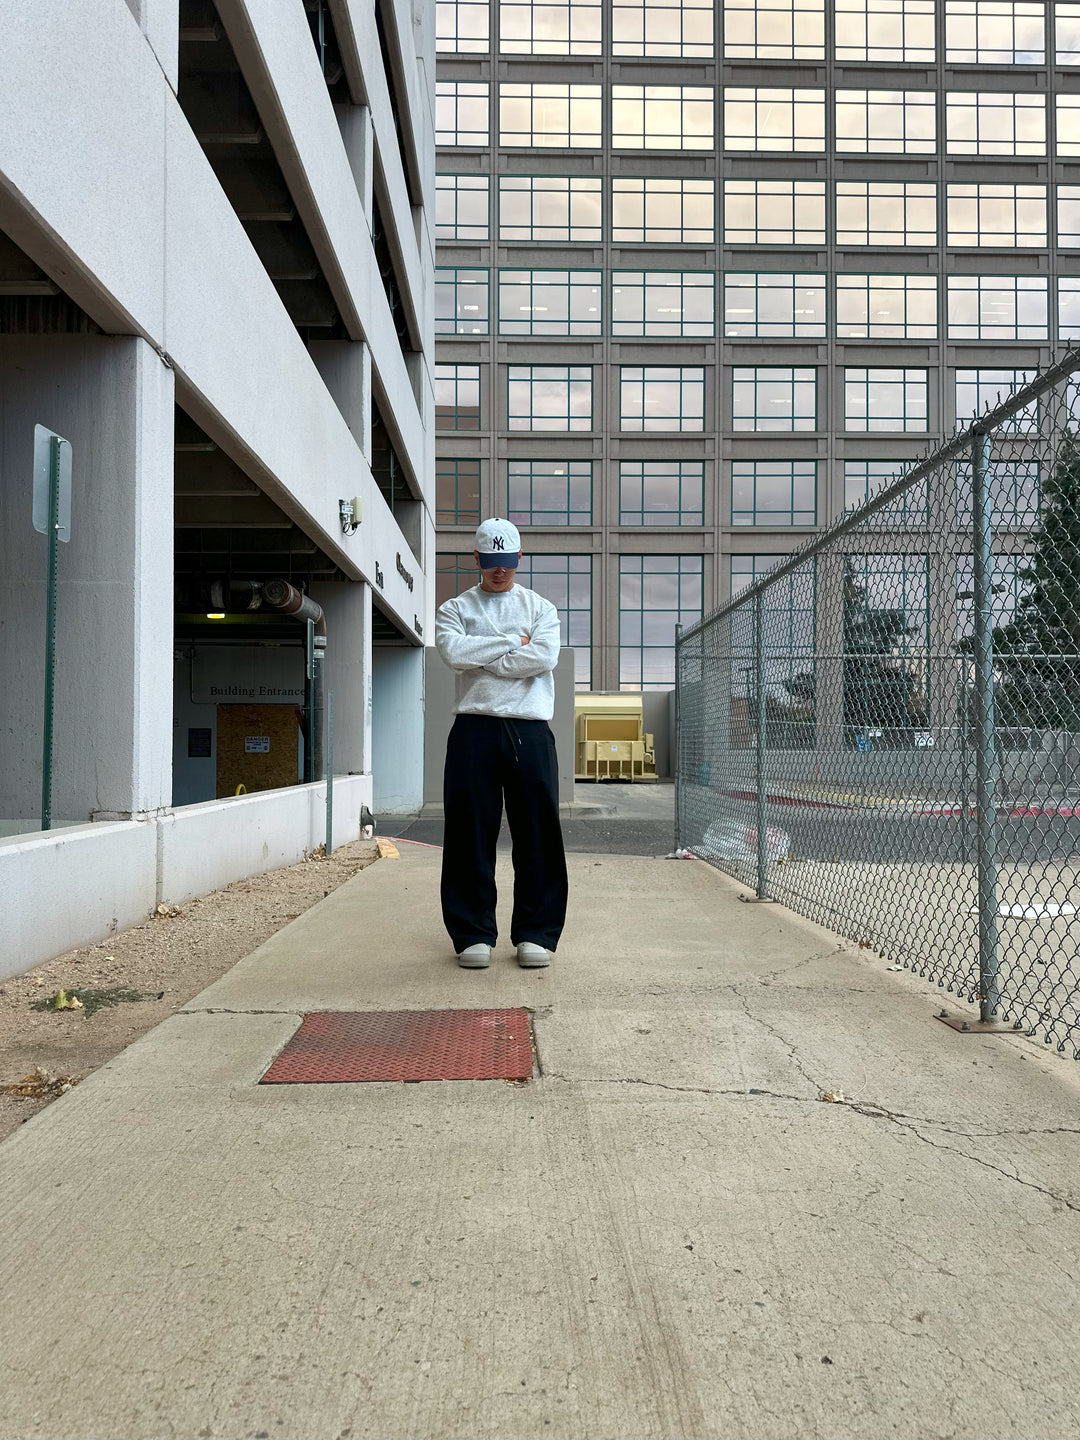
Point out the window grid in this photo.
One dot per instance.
(556, 27)
(545, 115)
(774, 30)
(562, 208)
(774, 119)
(661, 117)
(886, 122)
(994, 122)
(461, 112)
(662, 397)
(1014, 492)
(888, 30)
(457, 397)
(549, 492)
(661, 492)
(881, 399)
(461, 208)
(997, 307)
(772, 397)
(550, 302)
(774, 492)
(774, 212)
(566, 580)
(1068, 216)
(774, 305)
(983, 215)
(457, 491)
(980, 390)
(863, 478)
(891, 583)
(650, 210)
(995, 32)
(461, 27)
(461, 302)
(682, 28)
(655, 303)
(1067, 33)
(656, 593)
(454, 574)
(1068, 125)
(789, 643)
(886, 212)
(549, 397)
(1069, 307)
(886, 307)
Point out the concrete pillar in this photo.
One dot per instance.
(112, 398)
(354, 122)
(397, 675)
(348, 669)
(345, 366)
(159, 20)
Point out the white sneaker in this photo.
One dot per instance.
(531, 956)
(475, 957)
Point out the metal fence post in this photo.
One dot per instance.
(676, 747)
(986, 761)
(329, 846)
(759, 679)
(50, 635)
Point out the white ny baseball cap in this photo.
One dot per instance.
(498, 544)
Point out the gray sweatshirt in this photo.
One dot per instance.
(479, 633)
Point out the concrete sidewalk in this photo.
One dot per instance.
(669, 1233)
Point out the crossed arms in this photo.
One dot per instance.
(512, 657)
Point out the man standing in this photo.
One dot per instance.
(502, 641)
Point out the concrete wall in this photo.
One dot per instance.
(440, 717)
(112, 398)
(397, 723)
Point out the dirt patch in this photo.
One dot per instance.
(133, 981)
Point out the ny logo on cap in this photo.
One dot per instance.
(497, 543)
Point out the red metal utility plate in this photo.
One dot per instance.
(333, 1047)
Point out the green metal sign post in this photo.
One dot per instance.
(52, 517)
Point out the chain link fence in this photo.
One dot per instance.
(882, 732)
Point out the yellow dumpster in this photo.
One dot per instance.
(611, 743)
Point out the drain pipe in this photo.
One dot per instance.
(279, 595)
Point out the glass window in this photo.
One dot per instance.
(461, 207)
(457, 397)
(774, 212)
(461, 302)
(774, 305)
(549, 492)
(553, 27)
(1069, 307)
(661, 492)
(461, 27)
(1013, 216)
(994, 122)
(886, 212)
(656, 593)
(662, 117)
(653, 303)
(886, 122)
(649, 210)
(886, 613)
(774, 492)
(548, 115)
(773, 119)
(995, 32)
(771, 397)
(789, 642)
(457, 491)
(774, 29)
(881, 399)
(1067, 33)
(550, 302)
(863, 478)
(1014, 492)
(1068, 124)
(662, 397)
(453, 574)
(889, 30)
(662, 27)
(997, 307)
(550, 207)
(461, 112)
(549, 397)
(1068, 216)
(1010, 581)
(566, 580)
(886, 307)
(980, 390)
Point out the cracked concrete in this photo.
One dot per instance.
(672, 1231)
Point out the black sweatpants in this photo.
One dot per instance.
(487, 759)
